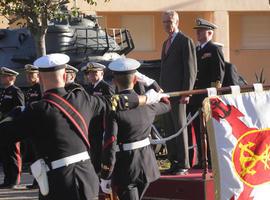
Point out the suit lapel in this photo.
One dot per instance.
(171, 47)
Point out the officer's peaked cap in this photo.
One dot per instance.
(52, 62)
(30, 68)
(204, 24)
(124, 65)
(93, 66)
(71, 69)
(8, 72)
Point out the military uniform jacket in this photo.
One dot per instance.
(71, 86)
(211, 65)
(32, 93)
(10, 97)
(128, 126)
(231, 76)
(179, 65)
(55, 137)
(96, 127)
(102, 88)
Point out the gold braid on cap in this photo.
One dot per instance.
(90, 66)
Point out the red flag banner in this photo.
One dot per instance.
(238, 127)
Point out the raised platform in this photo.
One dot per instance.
(182, 187)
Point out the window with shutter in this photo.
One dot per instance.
(255, 32)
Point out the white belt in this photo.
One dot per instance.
(133, 145)
(70, 160)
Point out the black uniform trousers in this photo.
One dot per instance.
(11, 97)
(12, 164)
(66, 183)
(96, 127)
(131, 183)
(194, 106)
(132, 191)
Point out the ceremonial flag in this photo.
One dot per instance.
(238, 127)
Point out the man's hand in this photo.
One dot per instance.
(144, 79)
(106, 186)
(154, 97)
(184, 100)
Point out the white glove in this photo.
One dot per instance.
(105, 186)
(154, 97)
(144, 79)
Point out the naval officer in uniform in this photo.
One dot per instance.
(59, 130)
(211, 65)
(94, 73)
(10, 97)
(128, 158)
(33, 92)
(71, 77)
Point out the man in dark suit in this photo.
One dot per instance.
(128, 158)
(97, 86)
(178, 72)
(10, 97)
(211, 64)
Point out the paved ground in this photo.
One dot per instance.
(20, 194)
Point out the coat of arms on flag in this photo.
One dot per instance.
(238, 127)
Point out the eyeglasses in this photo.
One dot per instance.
(167, 22)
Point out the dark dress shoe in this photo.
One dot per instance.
(4, 185)
(9, 186)
(175, 170)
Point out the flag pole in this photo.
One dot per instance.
(245, 88)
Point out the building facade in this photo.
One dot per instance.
(243, 27)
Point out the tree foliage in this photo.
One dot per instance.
(37, 13)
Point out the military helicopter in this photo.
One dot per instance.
(79, 36)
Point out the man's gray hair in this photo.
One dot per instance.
(172, 13)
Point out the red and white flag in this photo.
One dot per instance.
(239, 135)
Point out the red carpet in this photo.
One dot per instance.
(181, 187)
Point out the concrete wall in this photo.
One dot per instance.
(248, 61)
(187, 21)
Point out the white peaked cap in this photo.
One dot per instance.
(124, 65)
(52, 62)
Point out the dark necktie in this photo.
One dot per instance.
(168, 43)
